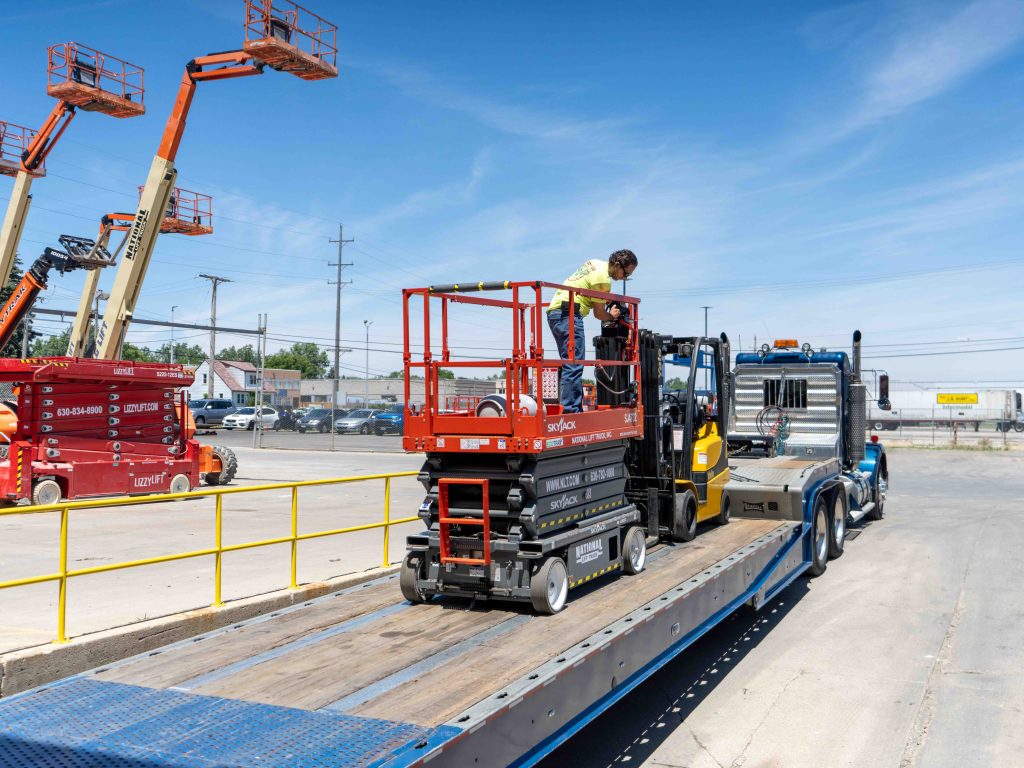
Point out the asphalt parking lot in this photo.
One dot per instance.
(306, 441)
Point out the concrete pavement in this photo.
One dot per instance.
(909, 650)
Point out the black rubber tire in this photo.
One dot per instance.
(228, 466)
(43, 491)
(632, 565)
(724, 511)
(1019, 427)
(553, 569)
(407, 578)
(322, 429)
(200, 421)
(879, 511)
(301, 430)
(684, 517)
(819, 537)
(837, 526)
(364, 430)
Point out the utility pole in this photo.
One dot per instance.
(705, 321)
(172, 332)
(366, 384)
(261, 354)
(214, 281)
(338, 283)
(26, 331)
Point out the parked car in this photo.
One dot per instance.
(391, 421)
(319, 419)
(245, 418)
(356, 421)
(208, 412)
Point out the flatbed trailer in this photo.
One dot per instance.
(362, 678)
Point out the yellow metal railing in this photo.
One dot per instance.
(217, 550)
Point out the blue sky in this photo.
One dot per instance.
(804, 169)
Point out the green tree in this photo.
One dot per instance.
(184, 353)
(13, 348)
(246, 354)
(676, 383)
(137, 354)
(51, 346)
(443, 374)
(303, 356)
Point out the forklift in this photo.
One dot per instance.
(679, 469)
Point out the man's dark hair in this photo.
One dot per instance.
(624, 259)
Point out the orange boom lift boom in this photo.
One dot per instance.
(278, 34)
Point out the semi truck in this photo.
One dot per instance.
(946, 406)
(363, 677)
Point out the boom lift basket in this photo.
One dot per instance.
(94, 81)
(291, 39)
(188, 213)
(14, 141)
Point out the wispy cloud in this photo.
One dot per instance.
(926, 60)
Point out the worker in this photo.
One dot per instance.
(593, 275)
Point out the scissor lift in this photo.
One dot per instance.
(524, 502)
(80, 77)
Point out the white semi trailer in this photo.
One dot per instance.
(943, 407)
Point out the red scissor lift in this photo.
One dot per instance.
(99, 428)
(523, 501)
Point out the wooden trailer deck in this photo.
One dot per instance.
(442, 670)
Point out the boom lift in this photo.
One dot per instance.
(80, 78)
(188, 213)
(278, 34)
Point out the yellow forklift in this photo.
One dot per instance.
(679, 468)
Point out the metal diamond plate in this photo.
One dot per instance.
(83, 723)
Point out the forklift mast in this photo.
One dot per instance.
(80, 78)
(278, 34)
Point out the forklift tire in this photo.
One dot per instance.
(408, 577)
(180, 484)
(634, 550)
(724, 510)
(819, 537)
(837, 526)
(228, 466)
(549, 587)
(684, 517)
(46, 492)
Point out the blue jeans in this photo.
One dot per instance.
(571, 390)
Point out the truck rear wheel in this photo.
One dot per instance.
(819, 538)
(837, 529)
(228, 466)
(46, 492)
(634, 551)
(684, 517)
(549, 587)
(408, 579)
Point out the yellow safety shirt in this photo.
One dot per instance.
(592, 276)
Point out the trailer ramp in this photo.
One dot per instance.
(359, 678)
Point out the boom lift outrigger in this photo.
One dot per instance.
(278, 34)
(80, 77)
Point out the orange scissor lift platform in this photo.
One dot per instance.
(524, 502)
